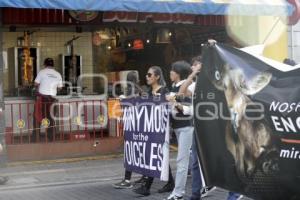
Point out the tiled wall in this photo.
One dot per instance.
(52, 45)
(294, 42)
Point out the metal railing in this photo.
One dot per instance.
(65, 121)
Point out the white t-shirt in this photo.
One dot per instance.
(49, 80)
(189, 110)
(191, 87)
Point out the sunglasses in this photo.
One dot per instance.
(149, 75)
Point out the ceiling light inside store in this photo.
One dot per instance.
(170, 34)
(129, 45)
(104, 35)
(163, 35)
(109, 47)
(148, 41)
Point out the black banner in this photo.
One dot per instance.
(248, 124)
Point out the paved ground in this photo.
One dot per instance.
(82, 180)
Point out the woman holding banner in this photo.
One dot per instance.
(158, 88)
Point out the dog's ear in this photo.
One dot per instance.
(255, 84)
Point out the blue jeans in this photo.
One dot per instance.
(196, 176)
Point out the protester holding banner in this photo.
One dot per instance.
(157, 89)
(132, 90)
(182, 126)
(187, 88)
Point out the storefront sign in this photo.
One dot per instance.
(83, 16)
(247, 123)
(146, 137)
(144, 17)
(56, 17)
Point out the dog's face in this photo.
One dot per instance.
(227, 78)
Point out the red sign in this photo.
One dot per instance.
(138, 44)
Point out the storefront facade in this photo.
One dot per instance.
(106, 45)
(103, 43)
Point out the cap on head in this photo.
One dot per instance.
(48, 62)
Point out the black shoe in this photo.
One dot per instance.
(141, 180)
(167, 188)
(142, 190)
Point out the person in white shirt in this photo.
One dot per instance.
(187, 89)
(48, 80)
(182, 125)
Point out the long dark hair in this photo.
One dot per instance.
(158, 72)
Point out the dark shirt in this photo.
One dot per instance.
(181, 120)
(160, 92)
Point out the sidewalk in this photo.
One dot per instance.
(80, 179)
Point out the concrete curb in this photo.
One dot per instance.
(173, 148)
(57, 184)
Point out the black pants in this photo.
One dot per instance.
(149, 180)
(44, 111)
(127, 175)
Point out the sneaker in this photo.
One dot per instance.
(3, 180)
(124, 184)
(141, 180)
(240, 197)
(234, 196)
(174, 197)
(167, 188)
(206, 190)
(142, 190)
